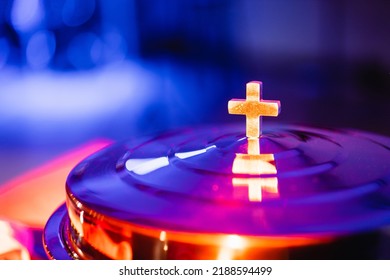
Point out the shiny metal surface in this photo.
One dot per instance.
(329, 184)
(326, 172)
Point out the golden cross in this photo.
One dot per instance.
(254, 108)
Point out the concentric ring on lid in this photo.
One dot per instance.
(326, 181)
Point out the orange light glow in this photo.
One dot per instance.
(34, 196)
(163, 236)
(231, 245)
(10, 248)
(103, 236)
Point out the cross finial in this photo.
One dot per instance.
(254, 108)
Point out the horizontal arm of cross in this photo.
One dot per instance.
(254, 109)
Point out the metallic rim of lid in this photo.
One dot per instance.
(113, 238)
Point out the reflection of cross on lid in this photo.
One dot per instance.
(256, 164)
(254, 108)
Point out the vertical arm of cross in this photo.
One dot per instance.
(253, 91)
(253, 127)
(253, 121)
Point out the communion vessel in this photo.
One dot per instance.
(226, 192)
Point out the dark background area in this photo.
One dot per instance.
(76, 70)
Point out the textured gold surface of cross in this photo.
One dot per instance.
(253, 107)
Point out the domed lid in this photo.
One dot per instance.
(292, 180)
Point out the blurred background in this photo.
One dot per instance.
(72, 71)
